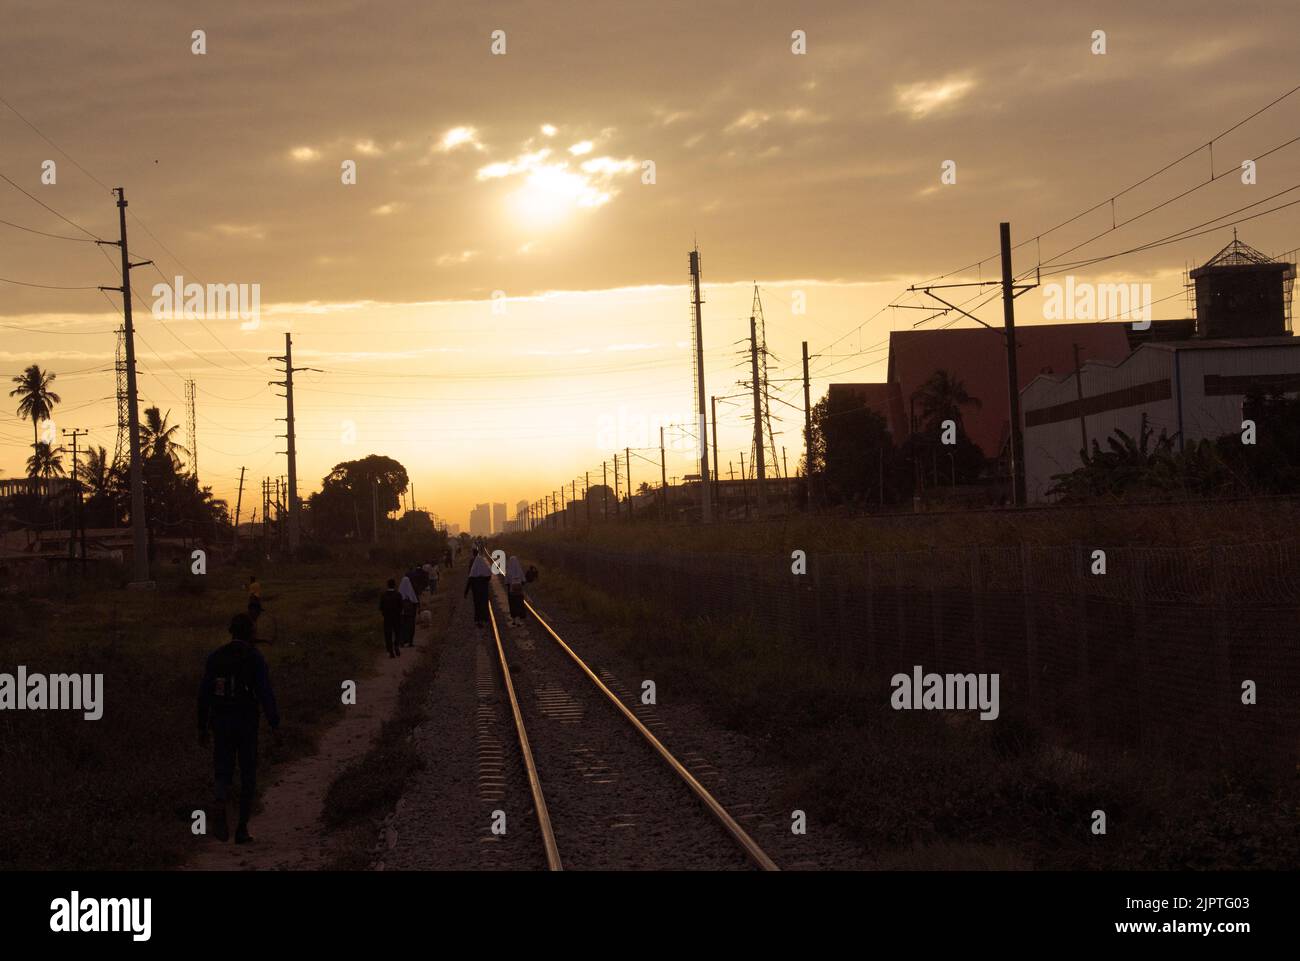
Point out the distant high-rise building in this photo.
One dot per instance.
(521, 511)
(480, 521)
(498, 518)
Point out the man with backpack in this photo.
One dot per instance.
(235, 690)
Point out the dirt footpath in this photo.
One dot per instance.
(288, 831)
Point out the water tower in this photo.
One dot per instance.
(1242, 293)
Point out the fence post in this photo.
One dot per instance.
(936, 619)
(898, 598)
(1141, 693)
(1031, 632)
(871, 616)
(977, 608)
(1222, 659)
(1081, 568)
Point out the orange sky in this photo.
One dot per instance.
(816, 175)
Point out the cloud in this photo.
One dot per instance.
(549, 130)
(368, 148)
(385, 210)
(249, 231)
(749, 120)
(583, 147)
(922, 99)
(459, 137)
(304, 154)
(451, 260)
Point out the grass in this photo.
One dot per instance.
(1138, 525)
(927, 790)
(119, 792)
(364, 792)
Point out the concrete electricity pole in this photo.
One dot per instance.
(239, 501)
(1013, 380)
(701, 427)
(663, 472)
(758, 417)
(76, 433)
(292, 452)
(139, 533)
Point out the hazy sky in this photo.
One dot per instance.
(818, 175)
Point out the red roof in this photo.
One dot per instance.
(977, 357)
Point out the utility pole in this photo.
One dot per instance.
(1078, 389)
(239, 501)
(617, 490)
(807, 427)
(759, 463)
(713, 412)
(586, 493)
(701, 426)
(76, 483)
(289, 435)
(627, 460)
(139, 534)
(191, 435)
(1013, 379)
(663, 472)
(604, 492)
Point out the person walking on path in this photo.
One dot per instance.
(235, 690)
(515, 592)
(410, 605)
(480, 577)
(390, 606)
(254, 598)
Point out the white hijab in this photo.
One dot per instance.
(480, 568)
(514, 571)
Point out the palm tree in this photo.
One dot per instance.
(46, 462)
(36, 400)
(157, 438)
(942, 398)
(96, 472)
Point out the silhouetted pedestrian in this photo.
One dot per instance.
(479, 581)
(235, 689)
(515, 591)
(254, 598)
(410, 607)
(390, 606)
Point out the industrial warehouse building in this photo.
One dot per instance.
(1190, 389)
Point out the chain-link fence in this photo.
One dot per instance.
(1153, 655)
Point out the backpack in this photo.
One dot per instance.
(234, 681)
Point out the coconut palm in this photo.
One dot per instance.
(35, 399)
(96, 472)
(157, 438)
(45, 463)
(942, 398)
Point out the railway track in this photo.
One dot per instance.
(719, 816)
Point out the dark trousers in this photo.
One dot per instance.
(408, 628)
(392, 635)
(478, 586)
(517, 609)
(235, 740)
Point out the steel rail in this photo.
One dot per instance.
(755, 853)
(534, 782)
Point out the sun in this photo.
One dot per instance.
(551, 194)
